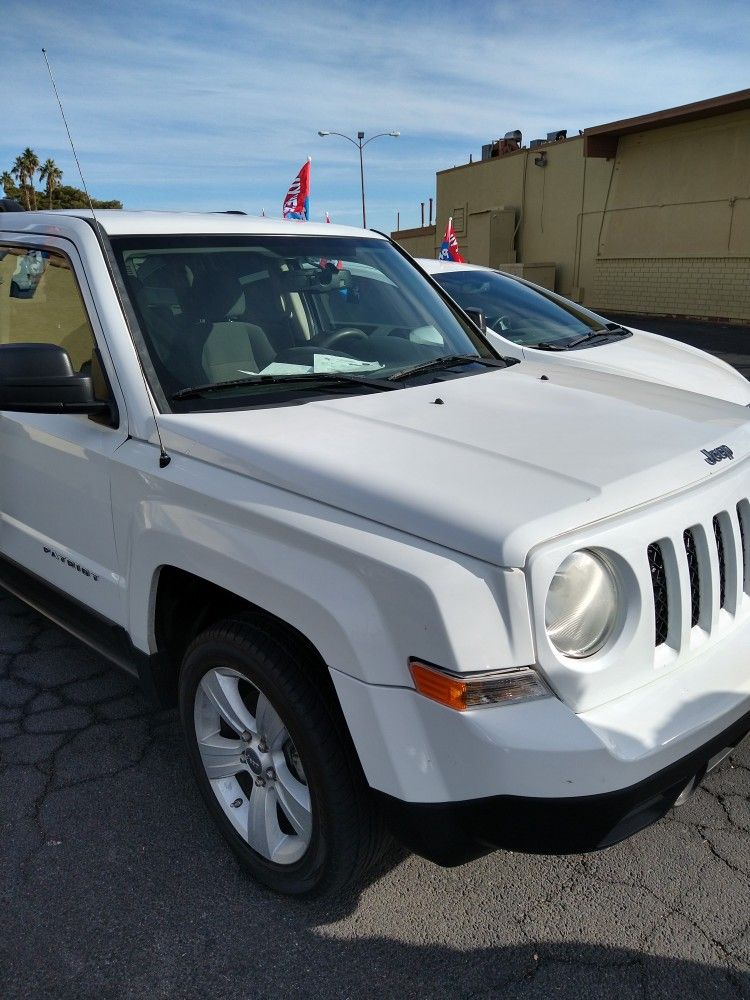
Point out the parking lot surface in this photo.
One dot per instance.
(114, 883)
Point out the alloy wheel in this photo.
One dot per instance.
(253, 766)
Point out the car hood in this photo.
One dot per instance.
(658, 359)
(507, 460)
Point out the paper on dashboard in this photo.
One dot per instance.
(335, 363)
(282, 368)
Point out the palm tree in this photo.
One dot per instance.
(19, 171)
(51, 173)
(31, 164)
(7, 182)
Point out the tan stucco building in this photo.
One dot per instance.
(646, 215)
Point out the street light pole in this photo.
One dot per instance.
(360, 137)
(360, 146)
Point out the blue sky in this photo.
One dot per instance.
(197, 104)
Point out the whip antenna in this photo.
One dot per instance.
(164, 458)
(70, 137)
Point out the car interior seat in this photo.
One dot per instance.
(162, 290)
(230, 346)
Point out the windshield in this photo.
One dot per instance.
(522, 314)
(256, 311)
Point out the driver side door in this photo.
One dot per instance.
(55, 502)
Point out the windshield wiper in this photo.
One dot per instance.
(448, 362)
(238, 383)
(612, 330)
(546, 345)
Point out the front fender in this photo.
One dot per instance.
(366, 596)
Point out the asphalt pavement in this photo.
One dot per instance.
(115, 884)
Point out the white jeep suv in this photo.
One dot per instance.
(390, 578)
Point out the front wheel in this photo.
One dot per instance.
(275, 768)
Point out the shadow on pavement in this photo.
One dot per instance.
(114, 882)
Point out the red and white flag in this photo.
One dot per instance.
(297, 200)
(449, 246)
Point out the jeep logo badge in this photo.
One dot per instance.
(717, 454)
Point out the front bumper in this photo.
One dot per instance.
(452, 833)
(418, 751)
(535, 776)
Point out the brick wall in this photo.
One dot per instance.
(712, 287)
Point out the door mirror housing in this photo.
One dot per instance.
(478, 318)
(39, 378)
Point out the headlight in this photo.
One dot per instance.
(581, 609)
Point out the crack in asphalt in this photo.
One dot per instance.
(70, 717)
(679, 908)
(88, 809)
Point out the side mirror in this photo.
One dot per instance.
(39, 378)
(478, 318)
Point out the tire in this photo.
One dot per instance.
(307, 826)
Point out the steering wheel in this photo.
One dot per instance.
(499, 323)
(351, 332)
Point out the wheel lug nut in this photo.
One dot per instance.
(260, 782)
(270, 774)
(237, 803)
(263, 746)
(246, 737)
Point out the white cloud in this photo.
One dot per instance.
(192, 103)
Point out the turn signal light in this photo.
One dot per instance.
(477, 690)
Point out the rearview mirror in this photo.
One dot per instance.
(325, 278)
(39, 378)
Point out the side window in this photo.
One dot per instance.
(40, 303)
